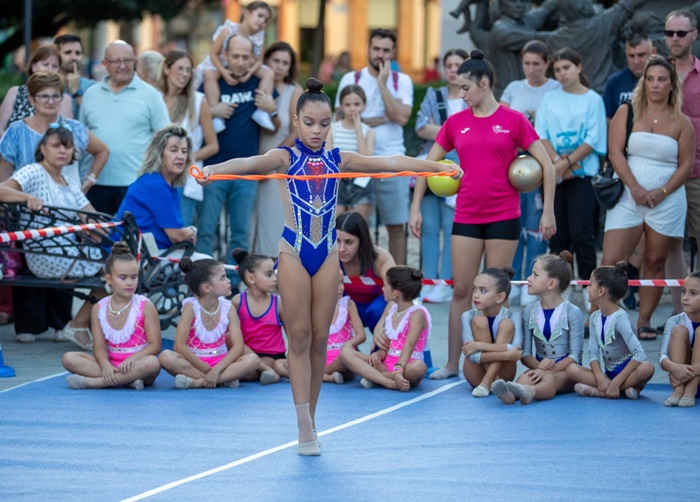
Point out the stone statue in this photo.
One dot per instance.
(516, 25)
(593, 36)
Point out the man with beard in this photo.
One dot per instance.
(70, 48)
(389, 106)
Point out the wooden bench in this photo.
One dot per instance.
(160, 280)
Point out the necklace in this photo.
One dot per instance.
(120, 311)
(212, 314)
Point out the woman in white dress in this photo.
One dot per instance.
(268, 212)
(660, 155)
(188, 108)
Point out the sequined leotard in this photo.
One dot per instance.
(309, 228)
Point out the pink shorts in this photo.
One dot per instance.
(213, 361)
(390, 361)
(331, 355)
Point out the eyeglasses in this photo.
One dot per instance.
(60, 125)
(119, 62)
(45, 98)
(678, 33)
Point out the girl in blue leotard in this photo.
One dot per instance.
(308, 259)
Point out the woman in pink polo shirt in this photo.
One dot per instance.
(486, 137)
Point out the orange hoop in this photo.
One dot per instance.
(197, 173)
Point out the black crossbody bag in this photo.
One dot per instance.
(606, 187)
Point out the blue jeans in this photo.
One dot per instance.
(187, 206)
(437, 216)
(531, 213)
(238, 197)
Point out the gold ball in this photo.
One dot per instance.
(525, 173)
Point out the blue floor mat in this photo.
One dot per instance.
(59, 444)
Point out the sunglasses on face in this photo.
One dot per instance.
(678, 33)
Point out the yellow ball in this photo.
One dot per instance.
(443, 186)
(525, 173)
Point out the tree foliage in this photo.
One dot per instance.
(48, 16)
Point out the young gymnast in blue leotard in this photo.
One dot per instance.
(307, 268)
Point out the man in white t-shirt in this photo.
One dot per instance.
(389, 106)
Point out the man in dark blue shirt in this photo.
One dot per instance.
(239, 139)
(620, 85)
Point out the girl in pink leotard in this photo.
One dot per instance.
(260, 314)
(209, 350)
(407, 326)
(126, 333)
(347, 328)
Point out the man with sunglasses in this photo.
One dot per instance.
(680, 31)
(124, 112)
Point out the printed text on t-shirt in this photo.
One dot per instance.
(238, 97)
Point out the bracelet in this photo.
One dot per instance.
(569, 161)
(194, 230)
(91, 177)
(399, 368)
(663, 189)
(274, 114)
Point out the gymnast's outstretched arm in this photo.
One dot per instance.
(274, 160)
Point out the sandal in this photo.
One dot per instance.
(6, 318)
(646, 333)
(69, 332)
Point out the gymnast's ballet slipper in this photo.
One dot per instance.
(337, 377)
(672, 401)
(136, 384)
(233, 384)
(686, 402)
(500, 390)
(443, 373)
(182, 382)
(631, 393)
(76, 382)
(310, 449)
(481, 391)
(366, 383)
(520, 392)
(268, 376)
(585, 390)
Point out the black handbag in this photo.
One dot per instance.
(606, 187)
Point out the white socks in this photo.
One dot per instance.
(306, 429)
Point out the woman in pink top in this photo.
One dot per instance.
(260, 314)
(209, 350)
(486, 137)
(347, 328)
(126, 333)
(407, 327)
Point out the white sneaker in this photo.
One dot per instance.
(426, 290)
(514, 296)
(263, 119)
(219, 124)
(526, 298)
(441, 293)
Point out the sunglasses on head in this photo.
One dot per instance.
(60, 125)
(678, 33)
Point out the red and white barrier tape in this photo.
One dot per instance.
(22, 235)
(371, 281)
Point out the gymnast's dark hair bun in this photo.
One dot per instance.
(510, 272)
(621, 267)
(417, 275)
(567, 257)
(314, 85)
(120, 248)
(239, 255)
(186, 264)
(476, 54)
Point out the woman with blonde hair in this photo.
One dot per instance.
(153, 198)
(660, 155)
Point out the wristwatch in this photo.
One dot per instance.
(194, 230)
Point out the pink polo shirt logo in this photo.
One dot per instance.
(499, 130)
